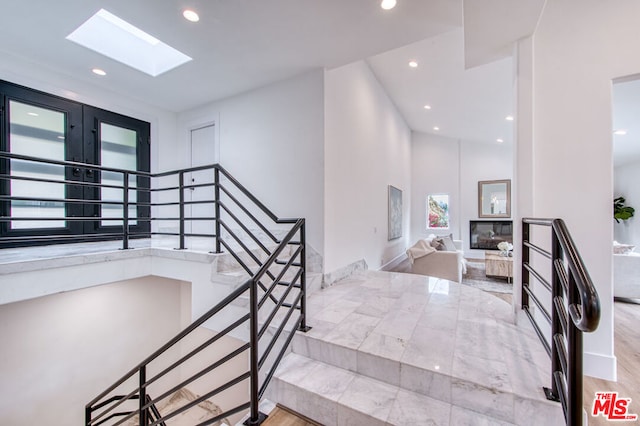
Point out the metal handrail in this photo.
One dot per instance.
(261, 283)
(572, 291)
(218, 188)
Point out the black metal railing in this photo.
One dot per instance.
(574, 305)
(249, 330)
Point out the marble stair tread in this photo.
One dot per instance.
(453, 343)
(334, 396)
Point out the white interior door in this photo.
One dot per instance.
(203, 152)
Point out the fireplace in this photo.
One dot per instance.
(487, 234)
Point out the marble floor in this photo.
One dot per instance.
(400, 349)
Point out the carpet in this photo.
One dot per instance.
(475, 277)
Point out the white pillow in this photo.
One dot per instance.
(622, 248)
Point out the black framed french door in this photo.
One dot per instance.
(119, 142)
(45, 126)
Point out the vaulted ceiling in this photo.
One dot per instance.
(464, 70)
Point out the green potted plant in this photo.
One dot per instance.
(620, 211)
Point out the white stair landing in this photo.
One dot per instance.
(401, 349)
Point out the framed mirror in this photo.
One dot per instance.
(494, 198)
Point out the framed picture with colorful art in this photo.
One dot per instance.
(438, 211)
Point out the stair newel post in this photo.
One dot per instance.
(144, 418)
(87, 415)
(303, 278)
(125, 211)
(574, 375)
(255, 417)
(217, 207)
(181, 197)
(525, 279)
(556, 326)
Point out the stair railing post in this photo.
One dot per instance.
(217, 207)
(524, 297)
(574, 376)
(254, 418)
(303, 279)
(125, 212)
(144, 419)
(181, 198)
(556, 326)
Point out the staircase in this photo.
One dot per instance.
(400, 349)
(229, 353)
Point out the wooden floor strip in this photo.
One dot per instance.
(627, 352)
(282, 416)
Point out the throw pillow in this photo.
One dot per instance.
(438, 244)
(448, 242)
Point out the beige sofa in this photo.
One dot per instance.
(449, 265)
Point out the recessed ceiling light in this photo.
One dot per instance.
(117, 39)
(436, 128)
(33, 114)
(388, 4)
(190, 15)
(499, 140)
(620, 132)
(99, 71)
(413, 64)
(509, 118)
(427, 107)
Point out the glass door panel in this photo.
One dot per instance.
(37, 132)
(118, 150)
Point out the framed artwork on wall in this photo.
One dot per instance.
(438, 211)
(395, 213)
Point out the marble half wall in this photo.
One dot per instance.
(343, 273)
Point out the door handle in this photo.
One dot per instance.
(75, 171)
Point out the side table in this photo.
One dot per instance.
(498, 266)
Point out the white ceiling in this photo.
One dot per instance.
(239, 45)
(490, 27)
(469, 104)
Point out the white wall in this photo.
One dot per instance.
(579, 47)
(367, 148)
(435, 169)
(626, 178)
(271, 140)
(443, 165)
(481, 161)
(60, 351)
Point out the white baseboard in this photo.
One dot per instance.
(600, 366)
(393, 262)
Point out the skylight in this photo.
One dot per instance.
(117, 39)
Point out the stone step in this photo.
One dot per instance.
(334, 396)
(467, 391)
(451, 343)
